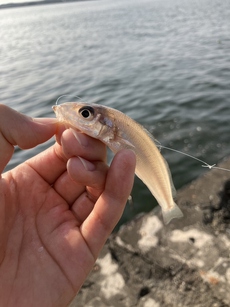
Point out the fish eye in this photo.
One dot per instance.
(87, 112)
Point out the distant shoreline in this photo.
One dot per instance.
(30, 3)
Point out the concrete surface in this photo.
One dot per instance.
(186, 263)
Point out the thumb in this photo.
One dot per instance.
(21, 130)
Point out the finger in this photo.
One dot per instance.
(21, 130)
(67, 188)
(81, 173)
(82, 208)
(78, 144)
(51, 163)
(110, 205)
(90, 174)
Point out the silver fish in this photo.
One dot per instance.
(118, 131)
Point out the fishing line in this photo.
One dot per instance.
(67, 96)
(205, 164)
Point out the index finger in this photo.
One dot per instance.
(21, 130)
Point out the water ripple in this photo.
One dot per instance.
(164, 63)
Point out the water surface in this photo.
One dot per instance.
(164, 63)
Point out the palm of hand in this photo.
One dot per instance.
(37, 251)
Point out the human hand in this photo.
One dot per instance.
(56, 210)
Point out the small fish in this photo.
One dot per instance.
(118, 131)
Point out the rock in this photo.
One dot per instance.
(186, 263)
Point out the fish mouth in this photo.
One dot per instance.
(55, 108)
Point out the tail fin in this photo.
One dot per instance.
(172, 213)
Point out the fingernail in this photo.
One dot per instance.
(82, 140)
(87, 165)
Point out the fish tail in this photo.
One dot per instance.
(171, 213)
